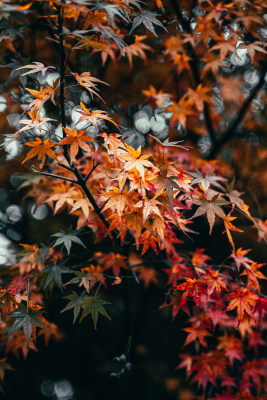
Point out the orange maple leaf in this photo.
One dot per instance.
(93, 116)
(147, 239)
(149, 207)
(46, 93)
(230, 227)
(147, 275)
(215, 282)
(199, 96)
(155, 98)
(89, 83)
(133, 159)
(181, 110)
(117, 198)
(42, 149)
(191, 288)
(76, 140)
(244, 301)
(81, 203)
(196, 333)
(137, 49)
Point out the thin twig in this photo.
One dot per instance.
(65, 166)
(132, 271)
(58, 177)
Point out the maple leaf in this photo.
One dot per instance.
(93, 116)
(166, 183)
(196, 333)
(88, 276)
(181, 110)
(117, 198)
(255, 340)
(133, 159)
(147, 18)
(137, 49)
(243, 301)
(254, 370)
(225, 46)
(81, 202)
(67, 239)
(212, 64)
(117, 281)
(154, 97)
(50, 331)
(40, 149)
(76, 140)
(227, 220)
(53, 276)
(158, 227)
(147, 275)
(35, 121)
(181, 61)
(261, 305)
(25, 319)
(191, 288)
(64, 196)
(199, 96)
(205, 29)
(232, 347)
(252, 48)
(149, 207)
(115, 261)
(45, 94)
(253, 274)
(215, 282)
(7, 301)
(75, 302)
(112, 143)
(17, 342)
(94, 306)
(89, 82)
(199, 258)
(206, 180)
(210, 205)
(147, 239)
(186, 363)
(133, 220)
(34, 68)
(240, 259)
(209, 367)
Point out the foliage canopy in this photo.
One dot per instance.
(132, 119)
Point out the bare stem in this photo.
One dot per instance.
(58, 177)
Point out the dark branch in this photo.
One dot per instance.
(239, 117)
(58, 177)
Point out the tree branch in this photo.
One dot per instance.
(57, 176)
(92, 170)
(74, 169)
(239, 117)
